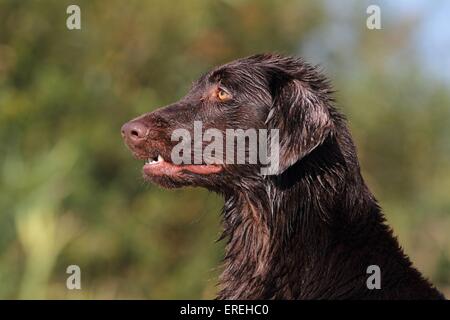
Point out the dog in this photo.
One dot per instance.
(309, 230)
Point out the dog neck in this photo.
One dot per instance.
(308, 236)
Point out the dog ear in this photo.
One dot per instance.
(301, 117)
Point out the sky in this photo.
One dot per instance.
(429, 43)
(432, 38)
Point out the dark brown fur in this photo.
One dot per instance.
(309, 232)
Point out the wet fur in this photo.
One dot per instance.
(312, 230)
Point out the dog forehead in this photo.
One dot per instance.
(234, 68)
(237, 76)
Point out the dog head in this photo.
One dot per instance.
(263, 111)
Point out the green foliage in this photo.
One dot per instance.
(70, 193)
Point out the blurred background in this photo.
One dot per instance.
(70, 192)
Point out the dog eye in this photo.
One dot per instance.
(222, 95)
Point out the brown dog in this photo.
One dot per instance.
(312, 230)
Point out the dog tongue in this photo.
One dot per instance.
(202, 169)
(168, 169)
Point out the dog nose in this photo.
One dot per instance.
(134, 131)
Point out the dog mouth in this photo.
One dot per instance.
(154, 160)
(158, 166)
